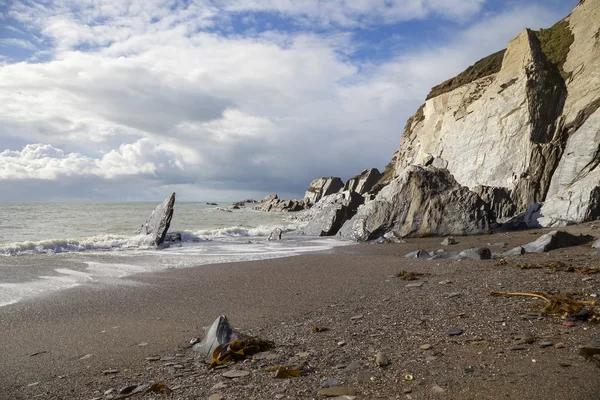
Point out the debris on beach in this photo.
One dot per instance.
(319, 329)
(560, 303)
(409, 275)
(238, 350)
(218, 334)
(559, 266)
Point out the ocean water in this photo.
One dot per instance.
(47, 247)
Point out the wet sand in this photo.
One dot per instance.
(80, 333)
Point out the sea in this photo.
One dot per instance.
(49, 247)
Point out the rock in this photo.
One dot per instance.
(363, 182)
(421, 201)
(173, 237)
(219, 385)
(478, 253)
(556, 240)
(438, 389)
(415, 285)
(517, 251)
(356, 317)
(545, 344)
(219, 333)
(596, 244)
(275, 234)
(448, 241)
(336, 391)
(425, 347)
(455, 332)
(381, 360)
(158, 223)
(110, 371)
(422, 254)
(330, 213)
(232, 374)
(215, 396)
(322, 187)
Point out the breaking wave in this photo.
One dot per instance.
(140, 242)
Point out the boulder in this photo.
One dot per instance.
(363, 182)
(556, 240)
(158, 223)
(419, 254)
(219, 333)
(275, 234)
(477, 253)
(330, 213)
(421, 201)
(322, 187)
(448, 241)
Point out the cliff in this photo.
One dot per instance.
(521, 126)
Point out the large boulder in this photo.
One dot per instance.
(322, 187)
(363, 182)
(421, 201)
(158, 223)
(330, 213)
(273, 203)
(556, 240)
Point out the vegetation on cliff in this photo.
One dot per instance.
(482, 68)
(556, 42)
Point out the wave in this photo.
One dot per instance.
(142, 242)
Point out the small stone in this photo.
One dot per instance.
(167, 358)
(569, 324)
(560, 345)
(178, 366)
(525, 339)
(415, 285)
(219, 385)
(381, 359)
(407, 391)
(127, 389)
(453, 294)
(564, 364)
(33, 384)
(215, 396)
(341, 343)
(110, 371)
(142, 344)
(438, 389)
(109, 391)
(85, 357)
(545, 344)
(426, 346)
(518, 348)
(356, 317)
(353, 366)
(303, 354)
(337, 391)
(455, 332)
(445, 282)
(469, 369)
(153, 358)
(235, 374)
(448, 241)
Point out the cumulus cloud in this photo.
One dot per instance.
(149, 96)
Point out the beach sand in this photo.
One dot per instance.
(57, 346)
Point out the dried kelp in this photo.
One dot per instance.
(559, 266)
(560, 303)
(409, 276)
(239, 350)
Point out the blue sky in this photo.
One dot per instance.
(224, 99)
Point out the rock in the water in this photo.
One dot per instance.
(330, 213)
(173, 237)
(478, 253)
(273, 203)
(363, 182)
(159, 221)
(421, 201)
(322, 187)
(276, 234)
(556, 240)
(219, 333)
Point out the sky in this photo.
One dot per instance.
(222, 100)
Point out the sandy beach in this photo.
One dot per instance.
(60, 346)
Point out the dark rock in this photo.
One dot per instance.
(478, 253)
(421, 201)
(173, 237)
(363, 182)
(322, 187)
(159, 221)
(421, 254)
(455, 332)
(556, 240)
(449, 241)
(330, 213)
(517, 251)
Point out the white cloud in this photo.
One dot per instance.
(19, 43)
(153, 102)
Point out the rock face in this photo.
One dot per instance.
(327, 216)
(159, 221)
(322, 187)
(363, 182)
(521, 126)
(275, 204)
(422, 201)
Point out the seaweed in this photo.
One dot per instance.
(238, 350)
(560, 303)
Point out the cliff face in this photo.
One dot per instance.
(523, 130)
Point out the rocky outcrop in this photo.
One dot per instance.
(329, 214)
(322, 187)
(158, 223)
(274, 204)
(422, 201)
(363, 182)
(521, 126)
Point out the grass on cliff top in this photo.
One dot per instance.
(482, 68)
(556, 42)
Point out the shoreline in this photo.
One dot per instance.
(156, 314)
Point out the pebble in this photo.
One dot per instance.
(85, 357)
(303, 354)
(455, 332)
(152, 358)
(426, 346)
(545, 344)
(564, 364)
(215, 396)
(235, 374)
(381, 359)
(356, 317)
(110, 371)
(518, 347)
(445, 282)
(33, 384)
(560, 345)
(416, 285)
(337, 391)
(469, 369)
(438, 389)
(569, 324)
(341, 343)
(142, 344)
(219, 385)
(453, 294)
